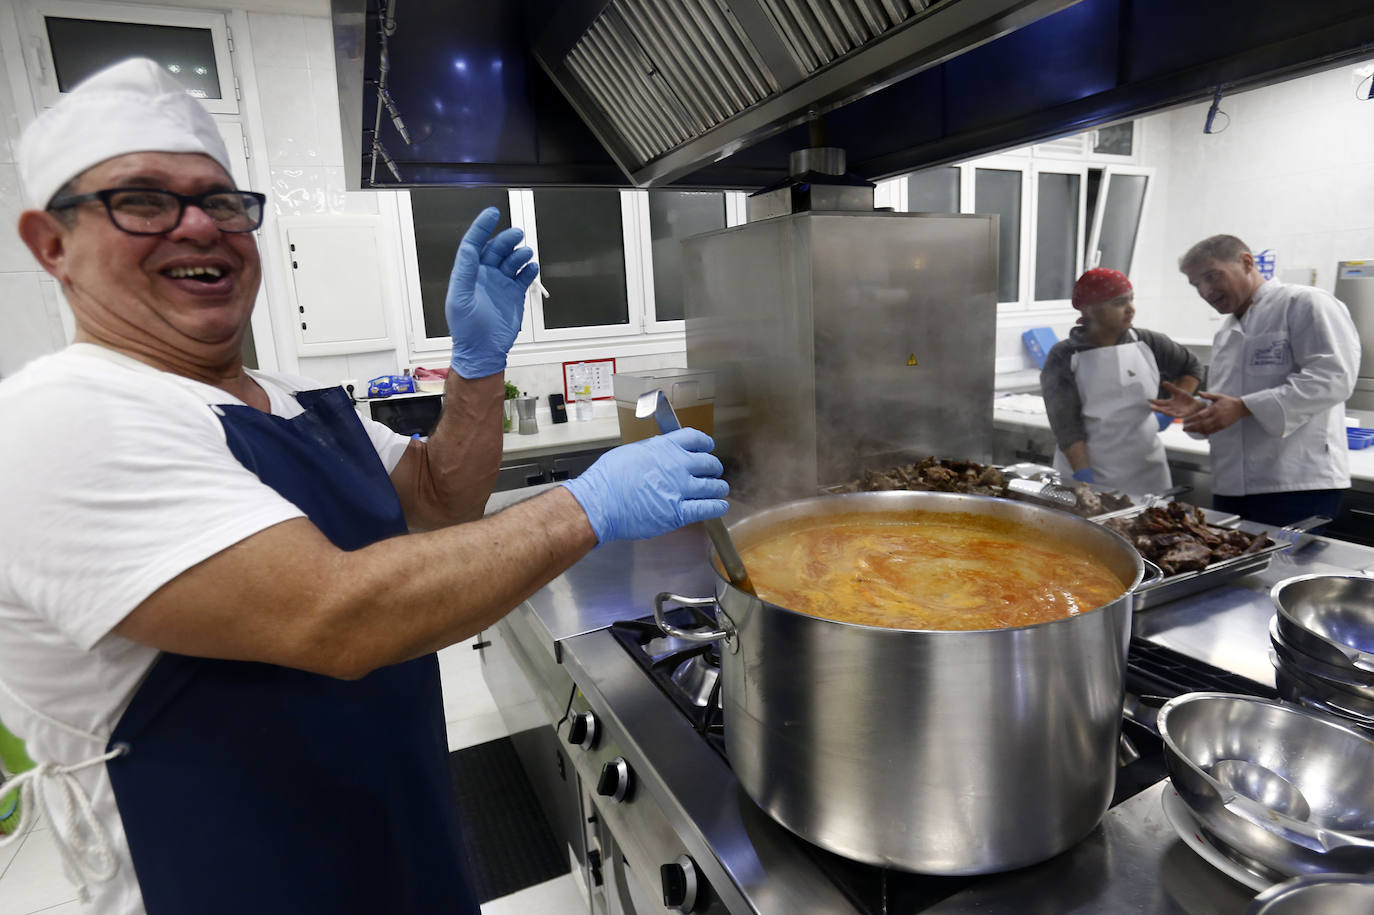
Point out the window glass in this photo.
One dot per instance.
(673, 216)
(997, 192)
(81, 47)
(1090, 207)
(581, 257)
(441, 216)
(935, 190)
(1056, 235)
(1115, 140)
(1121, 220)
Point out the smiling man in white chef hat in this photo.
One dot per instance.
(216, 635)
(141, 224)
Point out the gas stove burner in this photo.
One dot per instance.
(697, 677)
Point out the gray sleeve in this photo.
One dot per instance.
(1174, 360)
(1062, 405)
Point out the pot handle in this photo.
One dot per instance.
(690, 635)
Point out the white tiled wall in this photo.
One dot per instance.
(30, 320)
(1291, 173)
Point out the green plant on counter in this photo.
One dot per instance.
(512, 391)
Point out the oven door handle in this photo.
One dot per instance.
(694, 635)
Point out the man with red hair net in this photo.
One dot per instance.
(1097, 385)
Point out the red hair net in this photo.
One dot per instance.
(1098, 285)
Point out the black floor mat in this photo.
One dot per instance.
(506, 837)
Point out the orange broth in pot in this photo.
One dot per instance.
(925, 570)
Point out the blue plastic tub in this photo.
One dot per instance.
(1359, 438)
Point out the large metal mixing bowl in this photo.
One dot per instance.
(1345, 677)
(1330, 617)
(1347, 894)
(1297, 681)
(1285, 787)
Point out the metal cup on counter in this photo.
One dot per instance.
(524, 408)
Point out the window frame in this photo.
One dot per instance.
(1092, 255)
(649, 319)
(1137, 141)
(968, 203)
(536, 344)
(635, 259)
(893, 193)
(1056, 167)
(43, 71)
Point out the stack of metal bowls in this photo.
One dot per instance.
(1281, 790)
(1323, 644)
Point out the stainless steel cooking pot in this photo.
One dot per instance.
(939, 752)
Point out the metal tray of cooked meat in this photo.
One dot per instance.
(1027, 482)
(1172, 586)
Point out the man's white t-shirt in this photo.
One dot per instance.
(114, 479)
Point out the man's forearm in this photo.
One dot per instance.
(397, 607)
(288, 596)
(448, 479)
(1077, 454)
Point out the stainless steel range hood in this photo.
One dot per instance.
(669, 86)
(715, 93)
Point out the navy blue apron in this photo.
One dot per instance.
(255, 788)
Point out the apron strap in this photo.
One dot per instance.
(82, 840)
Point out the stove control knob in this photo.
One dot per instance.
(582, 730)
(615, 779)
(679, 884)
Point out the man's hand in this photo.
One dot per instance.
(653, 486)
(1179, 403)
(1223, 411)
(486, 295)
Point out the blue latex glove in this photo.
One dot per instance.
(486, 295)
(1164, 419)
(1085, 475)
(651, 487)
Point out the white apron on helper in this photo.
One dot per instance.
(1114, 386)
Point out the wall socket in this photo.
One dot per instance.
(353, 388)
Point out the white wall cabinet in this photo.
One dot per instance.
(336, 284)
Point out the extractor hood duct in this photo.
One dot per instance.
(669, 86)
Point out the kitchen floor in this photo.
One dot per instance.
(31, 879)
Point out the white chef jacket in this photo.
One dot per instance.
(1292, 358)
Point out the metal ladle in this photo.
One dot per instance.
(654, 404)
(1264, 786)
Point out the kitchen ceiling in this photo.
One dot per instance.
(715, 93)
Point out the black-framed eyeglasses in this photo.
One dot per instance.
(154, 211)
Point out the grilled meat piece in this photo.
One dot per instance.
(993, 477)
(1178, 538)
(952, 475)
(933, 474)
(1089, 502)
(1185, 557)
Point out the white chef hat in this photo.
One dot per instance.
(133, 106)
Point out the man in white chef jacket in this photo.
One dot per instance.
(217, 629)
(1283, 364)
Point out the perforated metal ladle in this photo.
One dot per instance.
(654, 404)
